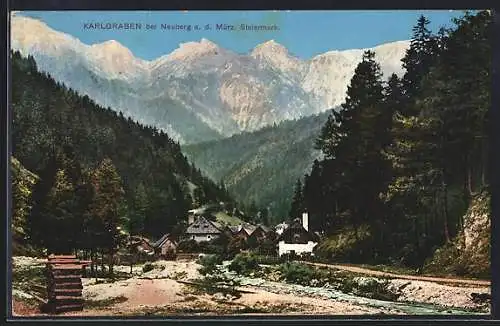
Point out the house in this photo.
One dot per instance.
(141, 245)
(280, 228)
(260, 233)
(247, 230)
(202, 229)
(166, 246)
(137, 249)
(238, 231)
(296, 238)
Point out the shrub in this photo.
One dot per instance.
(244, 264)
(203, 246)
(188, 246)
(376, 289)
(297, 273)
(209, 264)
(147, 267)
(267, 247)
(235, 246)
(289, 257)
(306, 256)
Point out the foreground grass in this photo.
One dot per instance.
(99, 304)
(227, 308)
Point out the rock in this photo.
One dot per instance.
(219, 296)
(480, 297)
(230, 297)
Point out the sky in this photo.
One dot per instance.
(304, 33)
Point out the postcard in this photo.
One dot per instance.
(243, 163)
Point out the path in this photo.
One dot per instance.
(371, 272)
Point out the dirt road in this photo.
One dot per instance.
(371, 272)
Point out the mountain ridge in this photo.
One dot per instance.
(200, 90)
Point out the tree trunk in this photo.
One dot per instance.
(92, 262)
(111, 258)
(445, 207)
(102, 261)
(484, 165)
(470, 187)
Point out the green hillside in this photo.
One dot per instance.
(70, 142)
(260, 168)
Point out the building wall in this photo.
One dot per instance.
(299, 248)
(168, 245)
(202, 237)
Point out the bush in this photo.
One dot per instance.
(209, 264)
(307, 256)
(244, 264)
(375, 289)
(296, 273)
(235, 246)
(188, 246)
(368, 288)
(203, 247)
(214, 249)
(212, 284)
(289, 257)
(267, 247)
(147, 267)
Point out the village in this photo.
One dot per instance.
(204, 233)
(216, 268)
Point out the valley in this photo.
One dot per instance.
(213, 181)
(165, 291)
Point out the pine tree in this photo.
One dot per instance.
(36, 222)
(59, 217)
(316, 202)
(358, 138)
(107, 204)
(141, 205)
(297, 206)
(419, 58)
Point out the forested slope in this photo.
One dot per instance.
(404, 158)
(94, 163)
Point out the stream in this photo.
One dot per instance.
(332, 294)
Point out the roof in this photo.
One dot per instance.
(197, 211)
(234, 228)
(249, 228)
(264, 228)
(281, 227)
(204, 226)
(138, 240)
(162, 240)
(297, 227)
(218, 225)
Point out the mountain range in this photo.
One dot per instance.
(200, 91)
